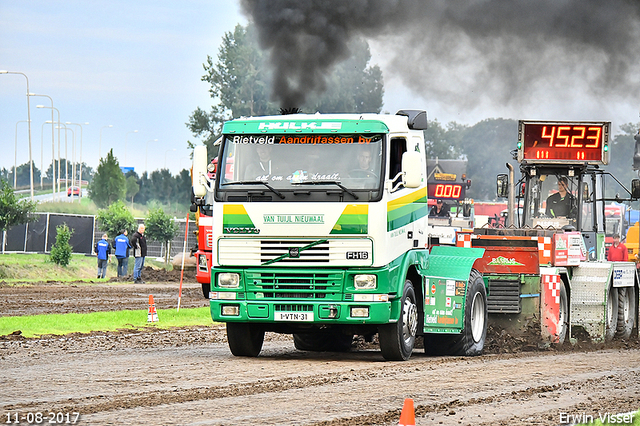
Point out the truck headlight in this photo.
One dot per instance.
(365, 282)
(228, 280)
(202, 263)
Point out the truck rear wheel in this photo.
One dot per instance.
(471, 340)
(626, 311)
(323, 342)
(397, 340)
(244, 339)
(612, 313)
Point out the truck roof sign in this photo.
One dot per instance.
(304, 124)
(584, 142)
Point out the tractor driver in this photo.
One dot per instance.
(562, 203)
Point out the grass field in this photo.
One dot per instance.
(60, 324)
(26, 267)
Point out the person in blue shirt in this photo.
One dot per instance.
(121, 246)
(103, 250)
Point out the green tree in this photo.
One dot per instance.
(115, 219)
(108, 185)
(444, 143)
(24, 175)
(160, 227)
(12, 211)
(61, 250)
(488, 146)
(164, 185)
(621, 154)
(132, 188)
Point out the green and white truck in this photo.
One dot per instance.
(320, 231)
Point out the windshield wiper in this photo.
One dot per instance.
(332, 182)
(253, 182)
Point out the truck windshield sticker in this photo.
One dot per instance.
(353, 161)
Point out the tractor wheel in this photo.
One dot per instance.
(612, 313)
(563, 320)
(626, 311)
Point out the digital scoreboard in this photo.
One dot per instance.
(563, 142)
(446, 190)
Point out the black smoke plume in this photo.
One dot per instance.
(460, 52)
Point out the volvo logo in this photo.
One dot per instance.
(294, 252)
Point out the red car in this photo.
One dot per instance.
(73, 190)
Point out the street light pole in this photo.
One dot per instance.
(100, 145)
(146, 153)
(28, 122)
(52, 123)
(125, 146)
(80, 185)
(53, 153)
(66, 157)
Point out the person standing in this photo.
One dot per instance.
(617, 252)
(121, 246)
(139, 245)
(103, 250)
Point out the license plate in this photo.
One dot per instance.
(293, 316)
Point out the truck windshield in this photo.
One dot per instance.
(291, 162)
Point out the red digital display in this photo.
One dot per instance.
(446, 191)
(566, 142)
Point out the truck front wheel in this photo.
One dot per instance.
(244, 339)
(397, 340)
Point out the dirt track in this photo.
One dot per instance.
(188, 376)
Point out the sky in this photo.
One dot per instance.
(138, 66)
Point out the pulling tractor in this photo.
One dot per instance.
(548, 265)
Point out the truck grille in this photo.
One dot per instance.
(289, 252)
(287, 285)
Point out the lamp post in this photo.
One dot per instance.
(74, 173)
(52, 123)
(66, 157)
(53, 153)
(146, 153)
(125, 146)
(165, 156)
(28, 122)
(100, 145)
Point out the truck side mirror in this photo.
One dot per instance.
(411, 169)
(502, 185)
(199, 171)
(635, 189)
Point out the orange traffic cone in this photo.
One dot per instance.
(152, 316)
(407, 417)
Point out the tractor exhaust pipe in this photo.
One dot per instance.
(511, 200)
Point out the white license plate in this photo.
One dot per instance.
(293, 316)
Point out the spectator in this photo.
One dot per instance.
(139, 245)
(617, 252)
(103, 250)
(121, 246)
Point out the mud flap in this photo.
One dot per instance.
(550, 307)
